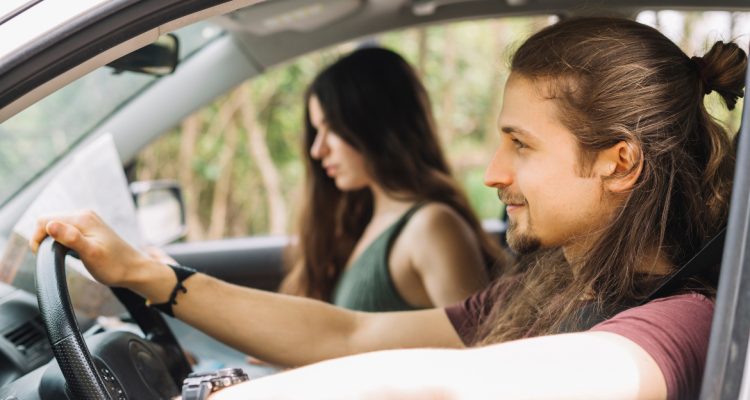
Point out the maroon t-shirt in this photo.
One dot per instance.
(673, 330)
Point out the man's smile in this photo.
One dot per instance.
(513, 202)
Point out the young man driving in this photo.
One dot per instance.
(613, 173)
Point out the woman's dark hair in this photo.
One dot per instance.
(616, 80)
(373, 100)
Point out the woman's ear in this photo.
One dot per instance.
(619, 166)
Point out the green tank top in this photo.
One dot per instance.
(367, 284)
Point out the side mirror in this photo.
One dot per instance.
(160, 211)
(159, 58)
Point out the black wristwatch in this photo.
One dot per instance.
(198, 386)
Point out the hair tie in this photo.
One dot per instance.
(700, 66)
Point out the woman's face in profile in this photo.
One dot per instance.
(341, 162)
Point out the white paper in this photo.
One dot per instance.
(94, 180)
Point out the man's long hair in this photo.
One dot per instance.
(374, 101)
(616, 80)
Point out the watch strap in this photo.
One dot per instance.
(196, 391)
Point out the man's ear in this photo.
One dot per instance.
(619, 166)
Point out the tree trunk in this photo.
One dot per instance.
(421, 51)
(257, 146)
(687, 44)
(220, 199)
(191, 128)
(499, 33)
(448, 103)
(148, 164)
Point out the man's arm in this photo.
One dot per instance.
(280, 329)
(293, 331)
(586, 365)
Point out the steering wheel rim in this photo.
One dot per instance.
(69, 348)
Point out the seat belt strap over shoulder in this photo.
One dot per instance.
(589, 315)
(709, 254)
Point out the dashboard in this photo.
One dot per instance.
(28, 370)
(23, 341)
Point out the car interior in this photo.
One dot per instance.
(146, 69)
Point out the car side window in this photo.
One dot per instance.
(238, 159)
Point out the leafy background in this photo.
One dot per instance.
(238, 159)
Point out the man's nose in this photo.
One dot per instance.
(319, 147)
(499, 172)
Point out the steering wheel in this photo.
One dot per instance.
(123, 364)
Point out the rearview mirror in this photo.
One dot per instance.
(158, 58)
(160, 211)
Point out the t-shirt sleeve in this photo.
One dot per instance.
(674, 331)
(467, 315)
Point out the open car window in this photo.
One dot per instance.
(241, 181)
(238, 159)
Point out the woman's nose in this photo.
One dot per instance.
(319, 147)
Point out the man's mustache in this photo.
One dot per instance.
(510, 198)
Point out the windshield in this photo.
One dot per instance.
(35, 138)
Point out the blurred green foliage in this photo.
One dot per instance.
(463, 66)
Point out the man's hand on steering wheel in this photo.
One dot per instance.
(109, 259)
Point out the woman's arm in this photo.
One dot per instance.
(591, 365)
(281, 329)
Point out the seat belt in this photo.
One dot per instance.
(710, 253)
(589, 315)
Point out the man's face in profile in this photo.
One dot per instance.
(537, 173)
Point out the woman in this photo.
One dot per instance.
(614, 175)
(384, 226)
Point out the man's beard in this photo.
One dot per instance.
(521, 243)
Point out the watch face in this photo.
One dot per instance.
(228, 377)
(200, 384)
(230, 372)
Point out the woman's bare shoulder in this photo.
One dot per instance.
(439, 217)
(441, 224)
